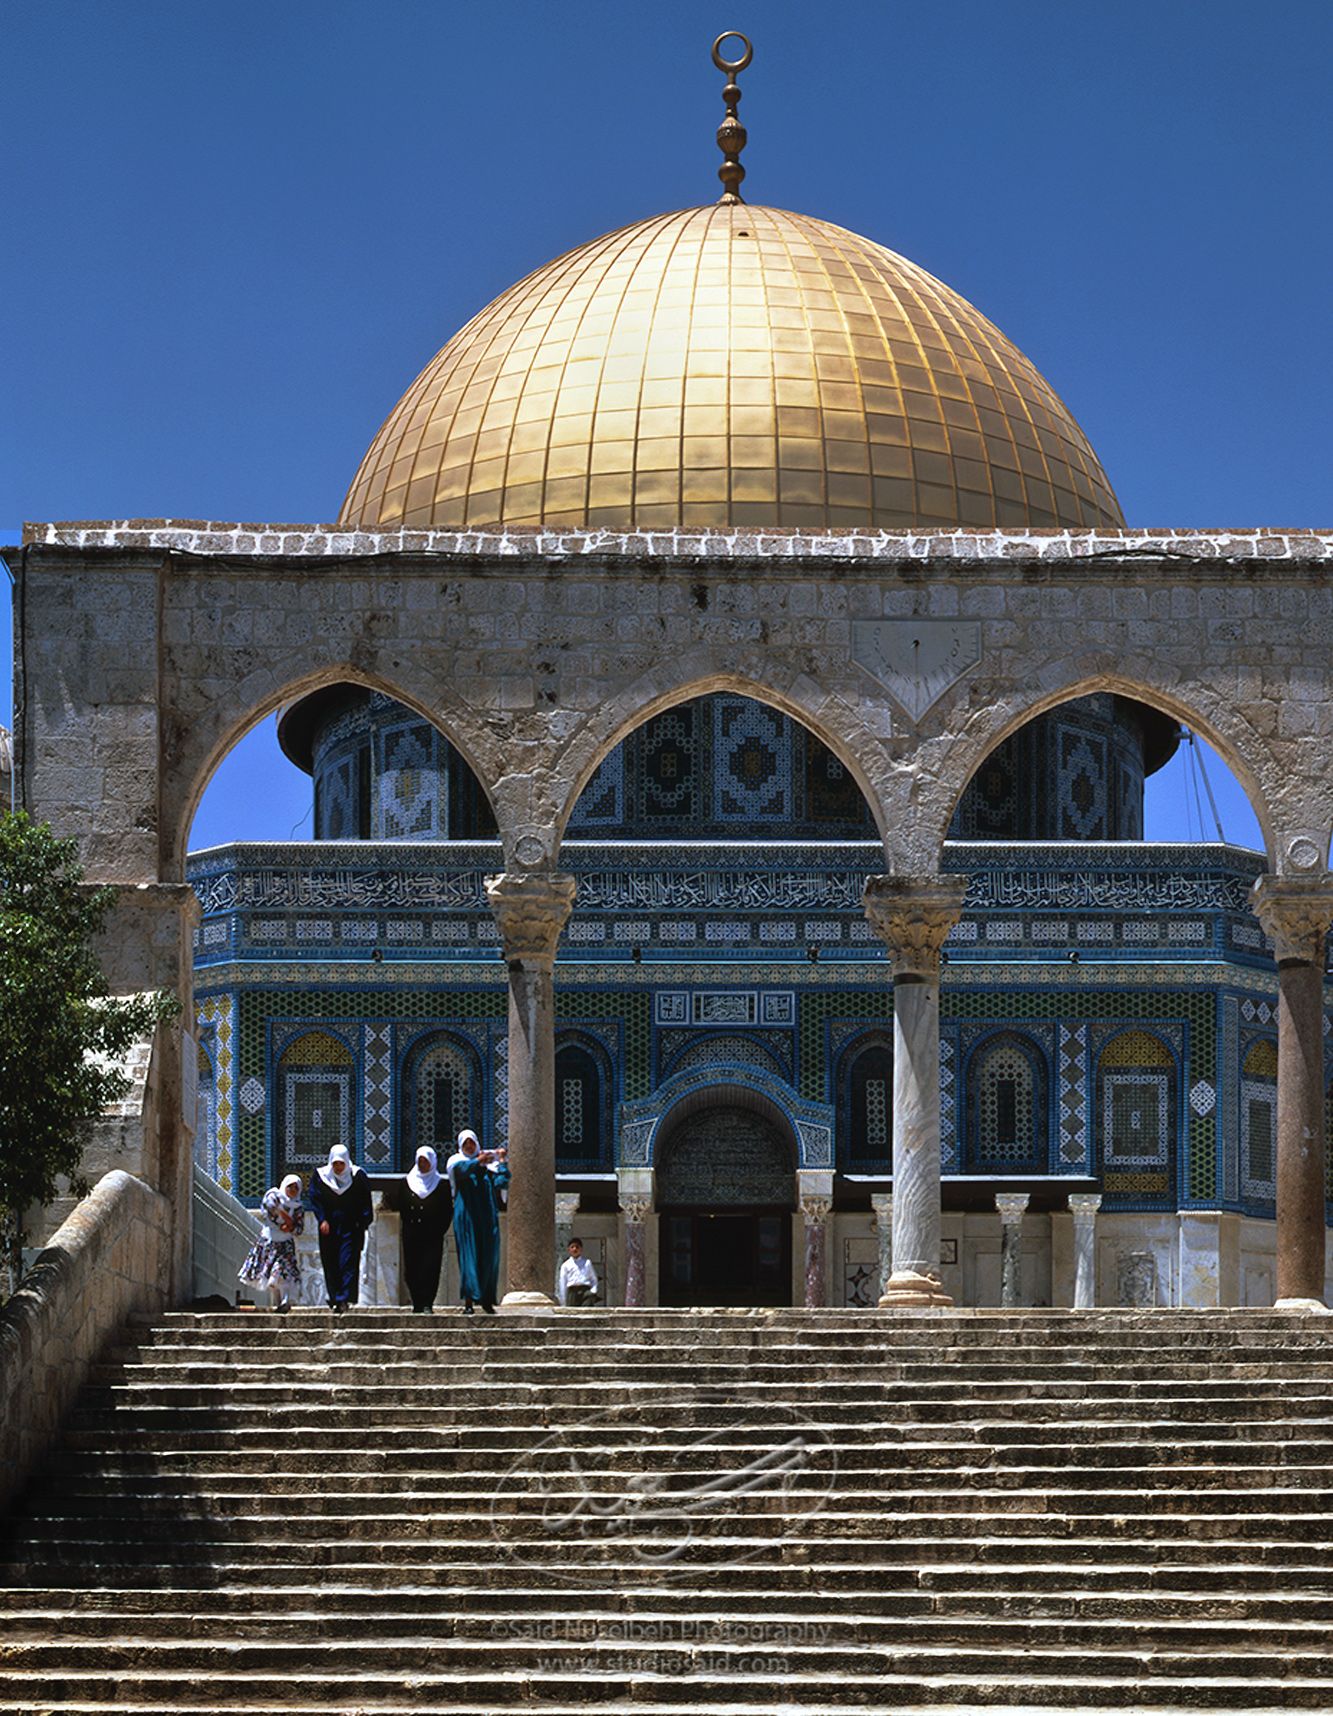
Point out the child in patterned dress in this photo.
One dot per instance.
(272, 1262)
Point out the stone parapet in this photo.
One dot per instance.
(327, 541)
(109, 1259)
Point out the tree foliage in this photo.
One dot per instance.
(63, 1037)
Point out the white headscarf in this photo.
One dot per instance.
(339, 1182)
(424, 1184)
(287, 1207)
(460, 1155)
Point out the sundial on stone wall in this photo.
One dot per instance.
(916, 661)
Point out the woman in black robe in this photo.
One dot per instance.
(426, 1205)
(339, 1196)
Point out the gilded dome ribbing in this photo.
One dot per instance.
(730, 366)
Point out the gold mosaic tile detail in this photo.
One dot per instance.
(730, 367)
(1136, 1049)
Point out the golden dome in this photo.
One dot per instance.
(729, 366)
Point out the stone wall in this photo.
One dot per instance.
(111, 1257)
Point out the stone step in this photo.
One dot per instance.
(570, 1389)
(90, 1471)
(595, 1381)
(906, 1699)
(97, 1493)
(691, 1680)
(345, 1412)
(244, 1614)
(869, 1436)
(876, 1587)
(902, 1696)
(712, 1318)
(784, 1363)
(1035, 1538)
(513, 1345)
(817, 1535)
(330, 1536)
(818, 1645)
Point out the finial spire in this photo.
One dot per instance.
(731, 133)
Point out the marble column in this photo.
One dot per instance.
(882, 1204)
(566, 1208)
(1012, 1207)
(815, 1210)
(1296, 912)
(636, 1213)
(1083, 1206)
(914, 915)
(531, 910)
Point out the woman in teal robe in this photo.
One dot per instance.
(478, 1178)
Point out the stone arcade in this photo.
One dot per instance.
(727, 622)
(159, 644)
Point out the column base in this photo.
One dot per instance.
(908, 1289)
(1304, 1307)
(527, 1300)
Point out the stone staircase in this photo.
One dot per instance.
(670, 1512)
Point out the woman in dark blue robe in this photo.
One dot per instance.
(478, 1178)
(340, 1199)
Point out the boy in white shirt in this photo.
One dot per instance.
(578, 1279)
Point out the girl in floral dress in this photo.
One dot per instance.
(272, 1261)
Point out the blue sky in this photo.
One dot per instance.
(237, 230)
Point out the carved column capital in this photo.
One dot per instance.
(1295, 912)
(1083, 1206)
(1012, 1206)
(566, 1208)
(913, 915)
(815, 1208)
(636, 1210)
(531, 910)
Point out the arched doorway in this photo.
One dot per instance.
(726, 1190)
